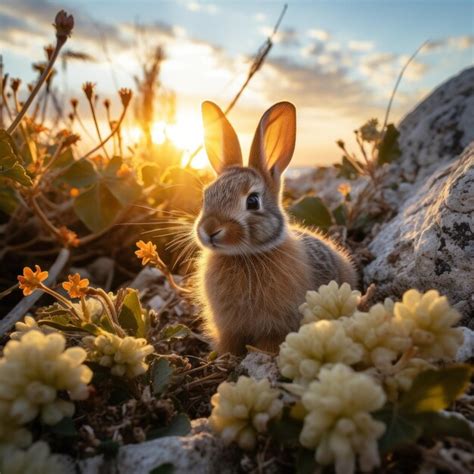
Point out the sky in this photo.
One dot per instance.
(336, 60)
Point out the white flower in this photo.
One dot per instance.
(383, 338)
(123, 355)
(430, 319)
(37, 459)
(314, 346)
(329, 302)
(32, 372)
(28, 324)
(338, 423)
(243, 409)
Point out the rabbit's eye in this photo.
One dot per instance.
(253, 202)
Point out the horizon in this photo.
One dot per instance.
(337, 62)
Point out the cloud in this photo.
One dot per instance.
(455, 42)
(283, 37)
(361, 46)
(202, 7)
(321, 35)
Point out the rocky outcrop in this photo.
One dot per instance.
(199, 453)
(430, 242)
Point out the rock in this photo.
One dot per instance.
(466, 351)
(430, 243)
(147, 277)
(439, 128)
(156, 303)
(200, 453)
(260, 366)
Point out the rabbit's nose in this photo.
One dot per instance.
(214, 235)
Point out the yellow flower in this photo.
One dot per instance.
(314, 346)
(31, 280)
(430, 318)
(243, 409)
(338, 424)
(75, 286)
(329, 302)
(123, 355)
(34, 370)
(147, 251)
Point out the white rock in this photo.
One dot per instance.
(156, 303)
(147, 277)
(199, 453)
(466, 351)
(430, 243)
(260, 366)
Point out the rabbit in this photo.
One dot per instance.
(254, 268)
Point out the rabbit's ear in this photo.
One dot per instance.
(220, 139)
(274, 140)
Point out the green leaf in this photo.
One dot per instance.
(434, 390)
(180, 425)
(150, 174)
(125, 190)
(439, 424)
(175, 331)
(97, 207)
(389, 149)
(161, 375)
(399, 430)
(286, 430)
(305, 462)
(131, 314)
(65, 428)
(8, 198)
(311, 210)
(340, 214)
(346, 169)
(80, 174)
(166, 468)
(10, 162)
(91, 328)
(109, 448)
(65, 159)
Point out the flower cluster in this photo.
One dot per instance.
(338, 423)
(314, 346)
(243, 409)
(329, 302)
(430, 318)
(33, 370)
(37, 459)
(123, 355)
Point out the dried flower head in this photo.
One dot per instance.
(68, 237)
(123, 355)
(314, 346)
(125, 96)
(88, 88)
(75, 286)
(338, 423)
(107, 104)
(37, 459)
(49, 50)
(344, 189)
(329, 302)
(430, 320)
(369, 132)
(15, 84)
(64, 24)
(34, 370)
(383, 338)
(243, 409)
(147, 251)
(31, 280)
(74, 103)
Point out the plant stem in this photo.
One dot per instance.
(59, 44)
(94, 117)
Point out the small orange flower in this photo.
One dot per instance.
(68, 237)
(344, 189)
(31, 280)
(75, 286)
(123, 171)
(147, 251)
(74, 192)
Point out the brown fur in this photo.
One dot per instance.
(254, 270)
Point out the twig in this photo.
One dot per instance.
(397, 83)
(26, 303)
(259, 58)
